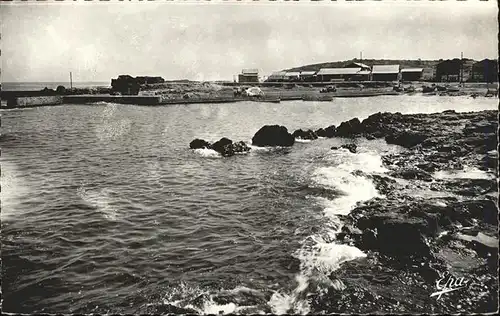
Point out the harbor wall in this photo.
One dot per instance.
(122, 99)
(20, 102)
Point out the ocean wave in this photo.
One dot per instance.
(205, 152)
(206, 302)
(300, 140)
(367, 162)
(319, 255)
(257, 148)
(353, 189)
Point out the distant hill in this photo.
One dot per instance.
(370, 62)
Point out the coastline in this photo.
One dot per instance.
(437, 208)
(198, 92)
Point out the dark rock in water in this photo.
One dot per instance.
(219, 145)
(309, 134)
(240, 147)
(326, 132)
(351, 147)
(350, 128)
(199, 143)
(412, 174)
(227, 151)
(227, 148)
(273, 135)
(406, 139)
(224, 146)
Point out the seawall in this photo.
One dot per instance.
(22, 102)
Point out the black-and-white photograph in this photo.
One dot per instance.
(249, 157)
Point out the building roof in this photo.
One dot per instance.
(292, 74)
(250, 71)
(277, 75)
(308, 73)
(412, 70)
(385, 69)
(338, 71)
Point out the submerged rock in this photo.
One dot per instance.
(273, 135)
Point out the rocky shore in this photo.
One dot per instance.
(427, 228)
(437, 220)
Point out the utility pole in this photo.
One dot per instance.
(361, 56)
(461, 68)
(71, 80)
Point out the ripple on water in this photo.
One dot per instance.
(105, 208)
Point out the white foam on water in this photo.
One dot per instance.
(326, 257)
(282, 303)
(300, 140)
(466, 173)
(109, 104)
(205, 152)
(257, 148)
(319, 254)
(212, 308)
(364, 161)
(182, 296)
(353, 188)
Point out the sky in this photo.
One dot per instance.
(215, 41)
